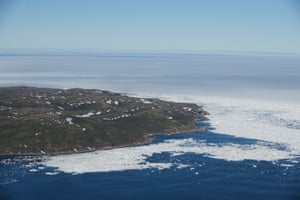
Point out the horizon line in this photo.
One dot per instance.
(102, 52)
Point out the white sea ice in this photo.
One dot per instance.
(266, 122)
(133, 158)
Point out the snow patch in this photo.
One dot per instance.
(146, 101)
(69, 120)
(60, 108)
(187, 108)
(86, 115)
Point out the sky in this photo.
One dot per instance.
(156, 25)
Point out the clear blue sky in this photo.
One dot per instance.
(155, 25)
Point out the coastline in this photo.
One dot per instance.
(148, 140)
(23, 114)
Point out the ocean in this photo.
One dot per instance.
(251, 149)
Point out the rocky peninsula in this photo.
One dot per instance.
(36, 121)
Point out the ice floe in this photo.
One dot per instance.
(51, 173)
(133, 158)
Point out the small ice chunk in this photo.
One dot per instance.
(98, 113)
(170, 117)
(51, 173)
(286, 165)
(109, 101)
(116, 103)
(83, 129)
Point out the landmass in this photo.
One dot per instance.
(53, 121)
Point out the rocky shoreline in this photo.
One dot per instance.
(49, 121)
